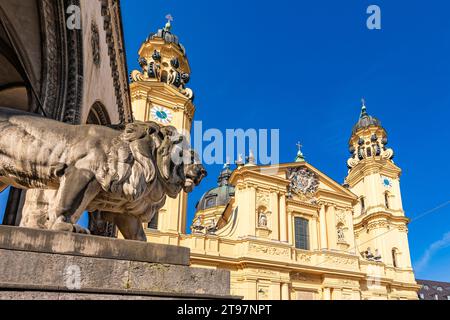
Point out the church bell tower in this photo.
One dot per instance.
(379, 220)
(159, 93)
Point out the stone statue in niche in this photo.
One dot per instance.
(125, 172)
(262, 220)
(197, 226)
(212, 227)
(377, 256)
(368, 255)
(340, 234)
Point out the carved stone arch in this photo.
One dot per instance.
(261, 207)
(15, 68)
(47, 51)
(62, 55)
(98, 115)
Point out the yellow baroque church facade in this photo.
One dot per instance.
(284, 231)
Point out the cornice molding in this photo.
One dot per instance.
(369, 166)
(374, 218)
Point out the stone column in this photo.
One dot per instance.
(285, 291)
(251, 192)
(313, 234)
(323, 228)
(275, 218)
(350, 236)
(337, 294)
(326, 294)
(275, 292)
(251, 290)
(404, 258)
(283, 219)
(289, 228)
(331, 227)
(318, 233)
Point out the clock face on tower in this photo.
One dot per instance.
(387, 182)
(162, 115)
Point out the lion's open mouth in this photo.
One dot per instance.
(189, 185)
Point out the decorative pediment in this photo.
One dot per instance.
(301, 181)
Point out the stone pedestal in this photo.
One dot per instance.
(41, 264)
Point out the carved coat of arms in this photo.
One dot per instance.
(302, 181)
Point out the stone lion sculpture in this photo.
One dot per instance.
(126, 173)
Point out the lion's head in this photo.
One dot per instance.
(194, 172)
(178, 163)
(146, 151)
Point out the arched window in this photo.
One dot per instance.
(164, 76)
(301, 228)
(363, 205)
(211, 202)
(98, 115)
(386, 200)
(394, 258)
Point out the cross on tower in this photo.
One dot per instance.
(363, 107)
(300, 157)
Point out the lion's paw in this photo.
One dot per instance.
(69, 227)
(62, 226)
(79, 229)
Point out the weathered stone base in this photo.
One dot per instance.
(37, 264)
(44, 295)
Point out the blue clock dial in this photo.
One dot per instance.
(387, 183)
(162, 115)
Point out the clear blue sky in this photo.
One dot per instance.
(303, 66)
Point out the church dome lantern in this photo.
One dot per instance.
(365, 120)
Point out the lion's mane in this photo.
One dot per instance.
(130, 167)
